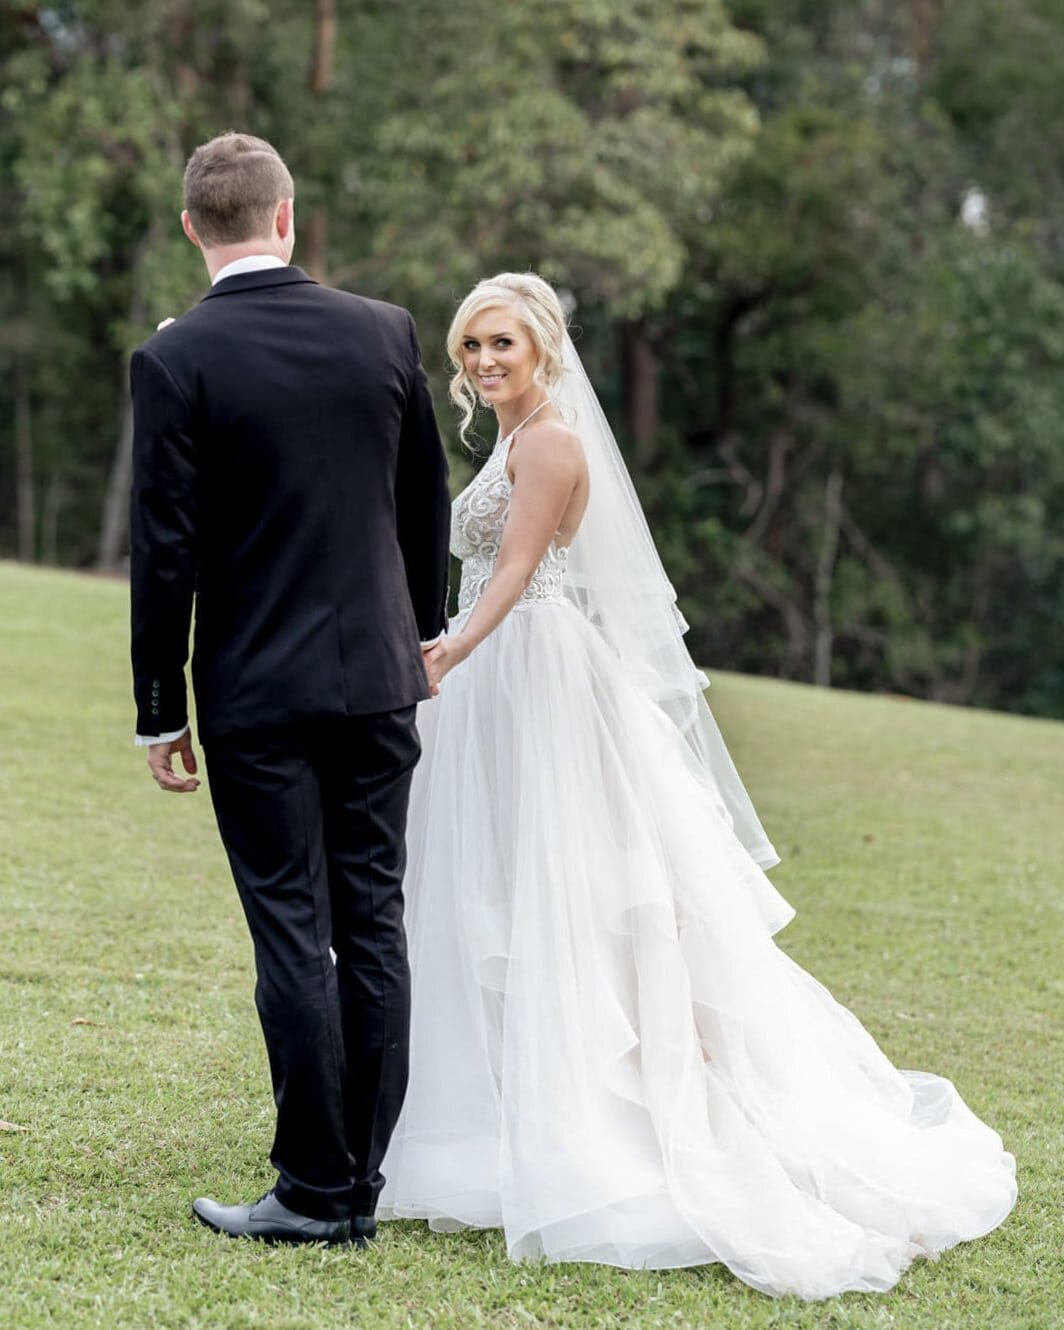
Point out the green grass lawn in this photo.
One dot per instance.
(922, 847)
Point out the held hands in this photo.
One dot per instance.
(443, 657)
(160, 764)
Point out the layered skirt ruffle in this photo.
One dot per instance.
(611, 1059)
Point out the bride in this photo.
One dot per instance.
(610, 1058)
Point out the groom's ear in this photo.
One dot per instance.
(284, 218)
(189, 229)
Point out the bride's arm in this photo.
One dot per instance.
(546, 470)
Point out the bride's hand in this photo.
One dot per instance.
(443, 657)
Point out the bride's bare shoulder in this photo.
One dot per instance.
(548, 443)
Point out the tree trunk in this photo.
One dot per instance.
(114, 522)
(643, 392)
(240, 93)
(796, 653)
(324, 46)
(114, 516)
(27, 532)
(824, 634)
(925, 19)
(314, 250)
(54, 502)
(314, 245)
(774, 489)
(736, 309)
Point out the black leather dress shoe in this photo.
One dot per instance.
(268, 1220)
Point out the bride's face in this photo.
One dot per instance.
(499, 355)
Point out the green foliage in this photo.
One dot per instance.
(860, 327)
(814, 251)
(582, 139)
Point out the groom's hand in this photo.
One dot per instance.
(161, 764)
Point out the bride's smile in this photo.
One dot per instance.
(500, 358)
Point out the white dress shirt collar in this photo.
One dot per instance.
(249, 263)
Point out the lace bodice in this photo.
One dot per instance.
(478, 518)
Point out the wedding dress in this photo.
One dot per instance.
(611, 1060)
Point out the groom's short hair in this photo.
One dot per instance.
(233, 185)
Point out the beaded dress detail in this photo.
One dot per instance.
(478, 519)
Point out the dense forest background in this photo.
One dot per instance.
(815, 252)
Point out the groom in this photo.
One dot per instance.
(288, 476)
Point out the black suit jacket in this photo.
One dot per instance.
(287, 473)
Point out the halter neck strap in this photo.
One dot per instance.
(508, 438)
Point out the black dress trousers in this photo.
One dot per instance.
(313, 819)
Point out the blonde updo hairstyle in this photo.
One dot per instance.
(537, 306)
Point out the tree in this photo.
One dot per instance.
(104, 104)
(584, 139)
(878, 487)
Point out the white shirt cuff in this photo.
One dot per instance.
(146, 740)
(427, 646)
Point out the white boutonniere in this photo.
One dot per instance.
(165, 324)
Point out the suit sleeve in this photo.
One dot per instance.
(423, 504)
(162, 527)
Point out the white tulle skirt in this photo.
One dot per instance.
(610, 1058)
